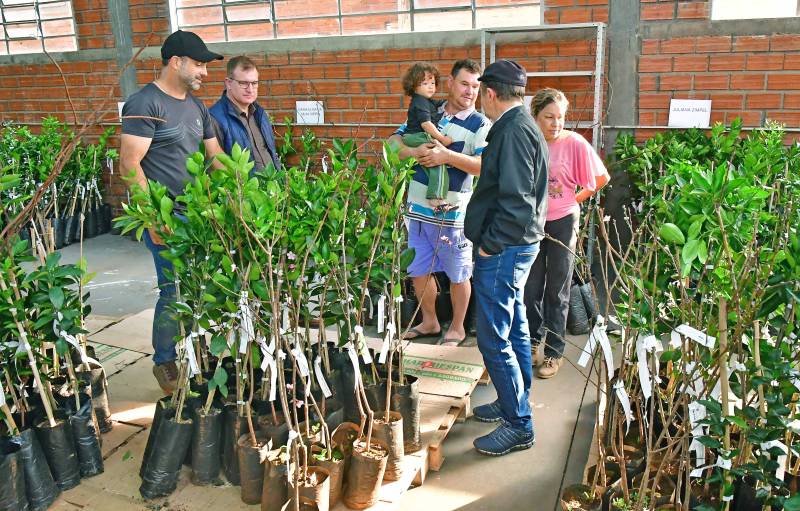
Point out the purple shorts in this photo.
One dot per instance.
(439, 248)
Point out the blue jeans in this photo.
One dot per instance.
(503, 336)
(165, 326)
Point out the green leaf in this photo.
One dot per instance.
(220, 376)
(397, 290)
(209, 298)
(218, 345)
(166, 207)
(702, 252)
(694, 229)
(689, 252)
(56, 297)
(127, 456)
(407, 257)
(792, 503)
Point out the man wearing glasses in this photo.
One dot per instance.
(240, 120)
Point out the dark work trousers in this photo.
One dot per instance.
(547, 289)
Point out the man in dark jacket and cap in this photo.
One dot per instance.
(505, 222)
(240, 119)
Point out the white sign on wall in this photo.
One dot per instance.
(309, 112)
(689, 113)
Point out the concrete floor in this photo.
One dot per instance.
(529, 480)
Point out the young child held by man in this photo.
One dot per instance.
(420, 82)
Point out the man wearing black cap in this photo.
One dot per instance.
(505, 222)
(162, 124)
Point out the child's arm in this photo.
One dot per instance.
(431, 130)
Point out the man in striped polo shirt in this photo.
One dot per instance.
(437, 234)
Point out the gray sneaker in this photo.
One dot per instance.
(167, 376)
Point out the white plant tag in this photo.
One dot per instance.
(724, 463)
(625, 401)
(697, 412)
(699, 452)
(602, 338)
(644, 373)
(381, 313)
(697, 336)
(362, 344)
(588, 350)
(323, 384)
(351, 352)
(285, 320)
(194, 368)
(675, 341)
(302, 362)
(387, 341)
(273, 377)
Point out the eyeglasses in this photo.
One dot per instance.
(243, 84)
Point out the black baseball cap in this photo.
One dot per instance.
(505, 71)
(187, 44)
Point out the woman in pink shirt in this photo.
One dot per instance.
(576, 172)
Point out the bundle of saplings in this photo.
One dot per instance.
(71, 208)
(272, 274)
(702, 411)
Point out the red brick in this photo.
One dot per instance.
(783, 82)
(337, 102)
(375, 87)
(763, 101)
(600, 14)
(298, 57)
(579, 15)
(709, 82)
(791, 61)
(747, 82)
(512, 51)
(655, 64)
(362, 102)
(785, 42)
(426, 54)
(561, 64)
(550, 17)
(313, 72)
(791, 119)
(650, 46)
(647, 82)
(791, 100)
(333, 71)
(731, 62)
(659, 11)
(691, 63)
(692, 10)
(574, 48)
(647, 118)
(559, 3)
(654, 100)
(542, 49)
(674, 82)
(678, 45)
(713, 44)
(751, 43)
(727, 101)
(764, 62)
(289, 73)
(748, 118)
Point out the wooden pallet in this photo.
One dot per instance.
(457, 413)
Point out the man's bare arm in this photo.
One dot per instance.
(132, 150)
(212, 149)
(436, 154)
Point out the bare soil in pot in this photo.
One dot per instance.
(579, 497)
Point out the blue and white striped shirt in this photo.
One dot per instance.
(468, 129)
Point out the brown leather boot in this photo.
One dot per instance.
(167, 376)
(549, 367)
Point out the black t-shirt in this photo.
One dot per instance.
(422, 109)
(177, 127)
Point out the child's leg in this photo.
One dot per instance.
(438, 180)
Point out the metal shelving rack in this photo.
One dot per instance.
(596, 73)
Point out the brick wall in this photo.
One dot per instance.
(755, 77)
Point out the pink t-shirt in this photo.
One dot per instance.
(573, 164)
